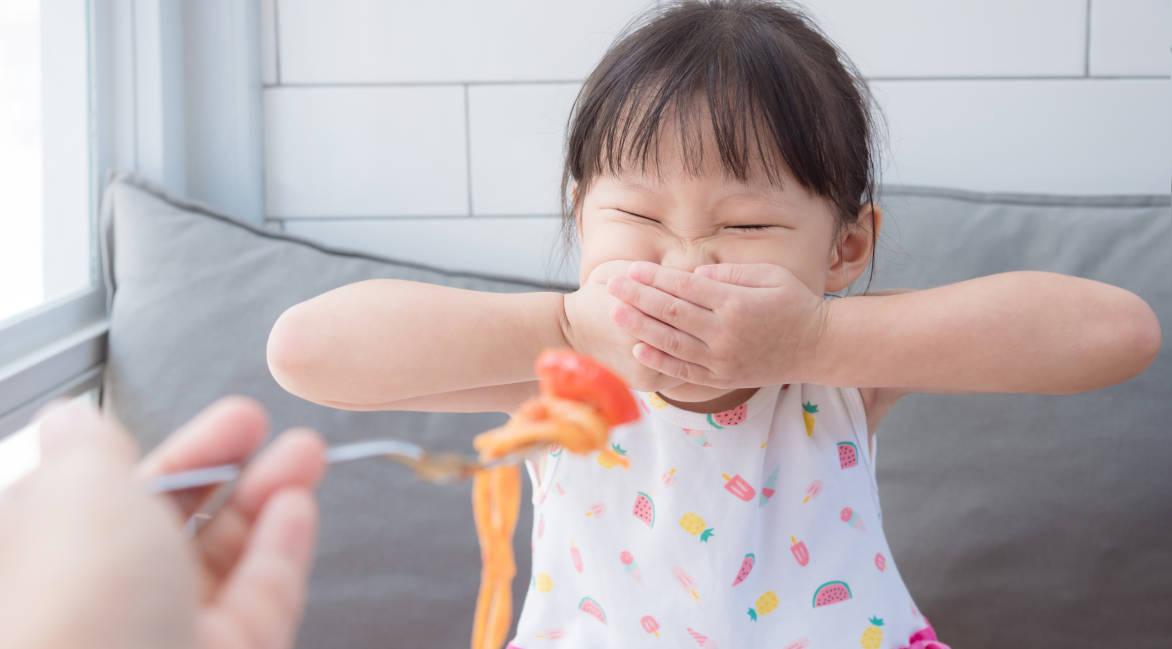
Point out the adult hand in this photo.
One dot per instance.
(722, 325)
(90, 558)
(591, 330)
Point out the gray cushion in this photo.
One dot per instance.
(194, 296)
(1034, 521)
(1016, 520)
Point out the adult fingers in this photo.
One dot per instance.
(77, 426)
(296, 459)
(261, 603)
(226, 432)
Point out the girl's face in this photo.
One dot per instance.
(684, 221)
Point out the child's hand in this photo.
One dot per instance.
(589, 330)
(723, 325)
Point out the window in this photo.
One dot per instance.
(52, 303)
(46, 250)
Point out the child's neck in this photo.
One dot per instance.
(701, 398)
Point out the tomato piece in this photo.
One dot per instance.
(569, 375)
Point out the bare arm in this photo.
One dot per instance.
(1011, 332)
(392, 344)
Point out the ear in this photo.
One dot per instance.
(854, 248)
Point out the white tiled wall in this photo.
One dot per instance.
(433, 131)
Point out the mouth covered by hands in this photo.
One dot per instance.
(722, 325)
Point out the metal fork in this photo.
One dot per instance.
(440, 468)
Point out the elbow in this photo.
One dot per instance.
(1138, 336)
(1149, 337)
(289, 352)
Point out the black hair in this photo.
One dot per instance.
(772, 82)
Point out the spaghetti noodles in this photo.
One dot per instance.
(580, 402)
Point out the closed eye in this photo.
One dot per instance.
(639, 216)
(751, 227)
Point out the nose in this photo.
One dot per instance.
(686, 256)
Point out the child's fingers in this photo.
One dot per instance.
(666, 308)
(750, 275)
(655, 333)
(694, 288)
(668, 365)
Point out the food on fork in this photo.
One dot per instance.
(580, 401)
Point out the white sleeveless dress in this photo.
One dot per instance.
(756, 527)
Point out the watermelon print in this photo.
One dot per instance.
(644, 509)
(832, 592)
(592, 608)
(848, 455)
(730, 417)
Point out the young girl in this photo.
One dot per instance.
(719, 176)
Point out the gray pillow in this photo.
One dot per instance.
(193, 297)
(1034, 521)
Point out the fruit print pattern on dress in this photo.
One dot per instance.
(800, 551)
(809, 410)
(739, 487)
(644, 509)
(746, 568)
(698, 436)
(656, 401)
(848, 516)
(694, 525)
(704, 641)
(590, 607)
(596, 510)
(629, 565)
(880, 561)
(873, 635)
(650, 625)
(543, 583)
(576, 557)
(832, 592)
(769, 487)
(812, 491)
(617, 457)
(730, 417)
(764, 605)
(685, 580)
(848, 455)
(668, 477)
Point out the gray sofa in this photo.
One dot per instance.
(1018, 521)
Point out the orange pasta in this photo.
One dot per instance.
(579, 403)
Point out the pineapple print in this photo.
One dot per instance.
(808, 412)
(656, 401)
(873, 636)
(696, 526)
(764, 605)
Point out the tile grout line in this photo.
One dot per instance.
(1086, 70)
(277, 38)
(391, 218)
(468, 149)
(468, 84)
